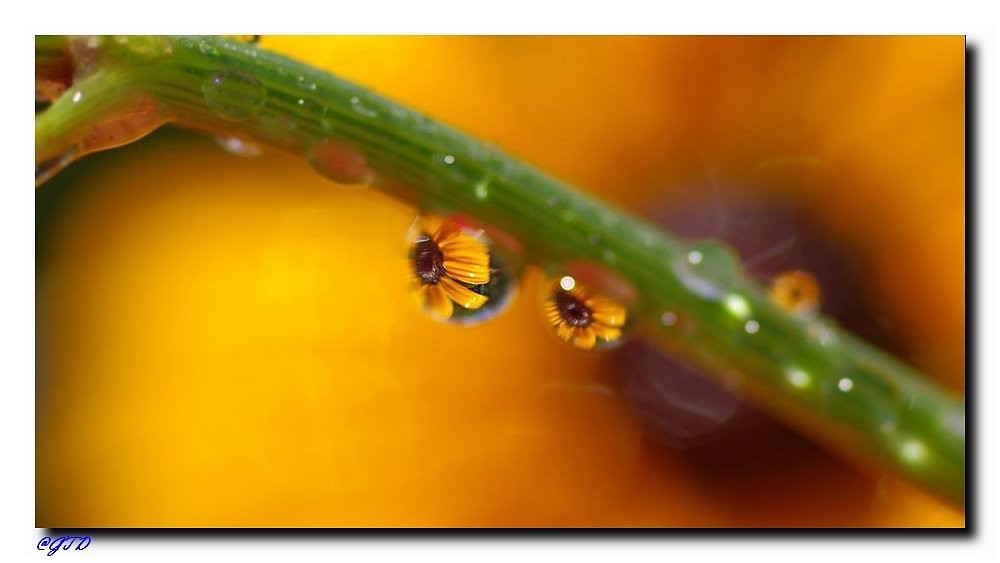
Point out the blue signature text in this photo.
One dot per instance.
(64, 542)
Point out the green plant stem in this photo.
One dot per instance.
(807, 371)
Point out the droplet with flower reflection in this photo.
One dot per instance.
(583, 318)
(796, 291)
(455, 274)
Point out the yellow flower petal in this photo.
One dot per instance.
(474, 274)
(431, 225)
(552, 313)
(458, 242)
(584, 338)
(564, 331)
(460, 294)
(438, 301)
(606, 333)
(606, 311)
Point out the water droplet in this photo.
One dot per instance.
(360, 107)
(341, 163)
(708, 269)
(458, 274)
(668, 318)
(798, 378)
(583, 317)
(234, 95)
(737, 305)
(865, 400)
(482, 189)
(912, 451)
(751, 326)
(822, 333)
(144, 48)
(240, 147)
(207, 48)
(796, 291)
(449, 159)
(77, 96)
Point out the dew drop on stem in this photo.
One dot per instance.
(233, 95)
(458, 274)
(580, 312)
(340, 162)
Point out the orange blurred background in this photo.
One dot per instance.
(227, 341)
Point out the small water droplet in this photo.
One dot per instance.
(583, 317)
(145, 49)
(458, 274)
(481, 189)
(823, 334)
(240, 147)
(751, 326)
(912, 451)
(208, 49)
(695, 257)
(796, 291)
(77, 96)
(865, 400)
(798, 378)
(737, 305)
(449, 159)
(668, 318)
(360, 107)
(341, 163)
(234, 95)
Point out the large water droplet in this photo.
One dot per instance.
(234, 95)
(709, 268)
(458, 274)
(341, 163)
(586, 318)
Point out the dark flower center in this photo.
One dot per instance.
(428, 260)
(573, 311)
